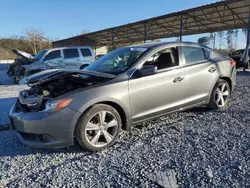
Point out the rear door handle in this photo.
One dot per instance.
(178, 79)
(212, 69)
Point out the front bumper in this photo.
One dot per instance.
(44, 129)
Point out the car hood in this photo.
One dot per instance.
(44, 75)
(22, 54)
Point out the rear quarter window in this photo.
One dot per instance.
(193, 54)
(70, 53)
(85, 52)
(216, 56)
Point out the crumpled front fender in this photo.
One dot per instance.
(53, 64)
(35, 67)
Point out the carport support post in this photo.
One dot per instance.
(95, 44)
(181, 27)
(112, 39)
(246, 54)
(145, 33)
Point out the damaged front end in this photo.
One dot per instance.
(18, 69)
(26, 59)
(48, 85)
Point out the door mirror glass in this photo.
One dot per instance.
(148, 70)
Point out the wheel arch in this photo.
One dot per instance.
(83, 65)
(121, 111)
(228, 80)
(126, 121)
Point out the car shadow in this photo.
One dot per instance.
(4, 78)
(6, 104)
(198, 110)
(4, 66)
(243, 73)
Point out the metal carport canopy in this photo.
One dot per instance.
(219, 16)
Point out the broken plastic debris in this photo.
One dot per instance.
(164, 179)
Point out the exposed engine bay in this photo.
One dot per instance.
(34, 99)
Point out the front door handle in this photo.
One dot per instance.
(212, 69)
(178, 79)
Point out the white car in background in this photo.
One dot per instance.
(56, 58)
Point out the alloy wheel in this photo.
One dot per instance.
(222, 94)
(101, 129)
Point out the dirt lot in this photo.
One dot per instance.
(203, 148)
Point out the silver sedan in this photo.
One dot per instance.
(125, 87)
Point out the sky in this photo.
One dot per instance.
(61, 19)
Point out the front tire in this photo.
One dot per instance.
(98, 127)
(220, 95)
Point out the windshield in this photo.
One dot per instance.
(117, 61)
(40, 54)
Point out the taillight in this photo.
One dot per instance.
(233, 63)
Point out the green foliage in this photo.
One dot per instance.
(20, 43)
(229, 38)
(204, 41)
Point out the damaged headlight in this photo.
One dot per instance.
(52, 106)
(46, 93)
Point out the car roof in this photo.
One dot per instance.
(159, 44)
(67, 47)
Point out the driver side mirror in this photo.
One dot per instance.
(148, 70)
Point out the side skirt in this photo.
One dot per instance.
(165, 112)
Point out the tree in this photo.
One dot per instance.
(37, 40)
(203, 41)
(229, 38)
(236, 32)
(221, 35)
(212, 40)
(7, 44)
(155, 40)
(244, 31)
(6, 54)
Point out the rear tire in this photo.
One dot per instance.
(220, 95)
(248, 65)
(98, 127)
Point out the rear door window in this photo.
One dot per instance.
(85, 52)
(53, 55)
(193, 54)
(70, 53)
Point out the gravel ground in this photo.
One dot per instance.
(203, 148)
